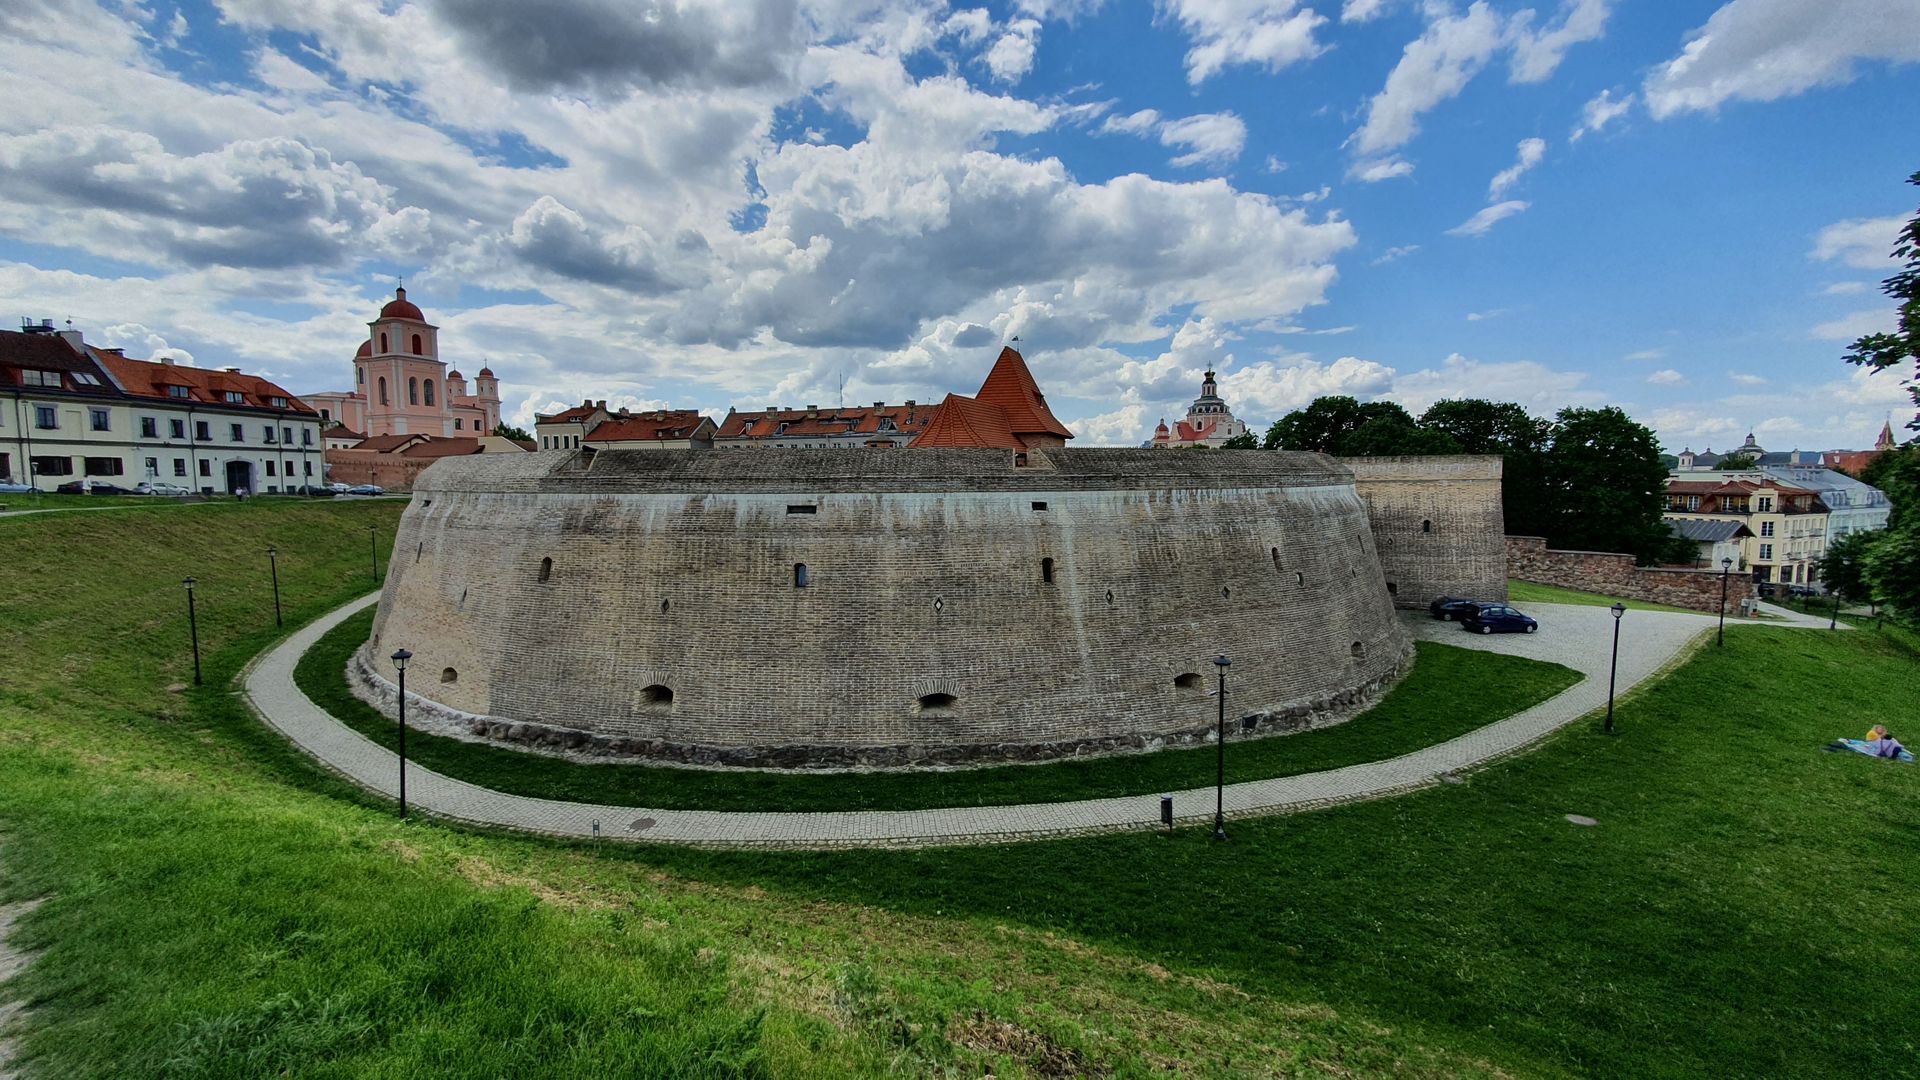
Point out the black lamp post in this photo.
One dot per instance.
(1833, 618)
(1726, 567)
(193, 628)
(400, 658)
(373, 553)
(1613, 668)
(273, 566)
(1220, 756)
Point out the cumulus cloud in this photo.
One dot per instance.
(1866, 243)
(1667, 377)
(1528, 154)
(1856, 324)
(553, 237)
(1011, 55)
(1372, 172)
(1272, 34)
(1276, 388)
(1540, 388)
(1209, 138)
(1764, 50)
(1599, 112)
(1359, 11)
(1480, 223)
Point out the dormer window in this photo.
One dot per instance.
(278, 402)
(85, 379)
(31, 377)
(235, 397)
(178, 392)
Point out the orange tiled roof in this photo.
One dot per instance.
(431, 446)
(856, 420)
(146, 379)
(566, 416)
(387, 444)
(1010, 386)
(661, 425)
(964, 422)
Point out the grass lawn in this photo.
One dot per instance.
(1451, 691)
(217, 906)
(1527, 592)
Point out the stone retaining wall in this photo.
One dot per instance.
(1611, 574)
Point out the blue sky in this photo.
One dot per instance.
(1681, 208)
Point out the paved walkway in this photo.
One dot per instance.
(1577, 636)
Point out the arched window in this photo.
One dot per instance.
(1426, 526)
(937, 704)
(448, 675)
(546, 569)
(383, 390)
(429, 392)
(799, 575)
(1276, 558)
(383, 341)
(1359, 650)
(1187, 680)
(1046, 570)
(416, 346)
(657, 696)
(413, 390)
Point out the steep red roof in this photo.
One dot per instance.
(658, 426)
(342, 431)
(366, 349)
(146, 379)
(566, 416)
(1010, 386)
(964, 422)
(387, 444)
(855, 420)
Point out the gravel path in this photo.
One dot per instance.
(1577, 636)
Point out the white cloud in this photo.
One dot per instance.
(1393, 253)
(1847, 327)
(1746, 379)
(1687, 427)
(1486, 219)
(1386, 168)
(1011, 56)
(971, 25)
(1600, 112)
(1125, 426)
(1528, 154)
(1866, 243)
(1667, 377)
(1539, 388)
(1482, 316)
(1763, 50)
(1536, 55)
(1273, 164)
(1210, 138)
(1138, 123)
(1645, 354)
(1272, 34)
(1359, 11)
(1434, 68)
(1845, 288)
(1275, 388)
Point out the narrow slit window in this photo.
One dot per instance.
(1046, 571)
(1038, 505)
(799, 575)
(1426, 526)
(546, 569)
(1300, 578)
(1276, 557)
(802, 508)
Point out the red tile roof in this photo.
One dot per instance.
(50, 352)
(1010, 386)
(567, 416)
(401, 308)
(661, 425)
(146, 379)
(964, 422)
(432, 446)
(342, 431)
(387, 444)
(856, 420)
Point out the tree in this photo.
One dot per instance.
(1605, 485)
(1893, 570)
(1735, 462)
(514, 433)
(1896, 472)
(1387, 436)
(1843, 568)
(1325, 424)
(1520, 438)
(1902, 345)
(1243, 441)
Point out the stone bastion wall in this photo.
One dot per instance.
(955, 605)
(1439, 525)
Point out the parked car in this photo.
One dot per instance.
(1801, 592)
(1497, 619)
(339, 488)
(366, 489)
(1449, 608)
(159, 487)
(1767, 589)
(98, 487)
(313, 491)
(8, 488)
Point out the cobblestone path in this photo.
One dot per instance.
(1578, 636)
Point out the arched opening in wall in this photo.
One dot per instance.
(799, 575)
(1359, 650)
(1300, 578)
(1187, 680)
(1046, 570)
(383, 341)
(664, 605)
(417, 351)
(936, 704)
(546, 570)
(448, 675)
(1426, 526)
(1392, 589)
(656, 696)
(429, 391)
(1225, 592)
(383, 391)
(413, 391)
(1276, 558)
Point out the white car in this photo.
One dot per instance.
(339, 489)
(156, 487)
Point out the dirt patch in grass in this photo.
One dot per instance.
(13, 960)
(989, 1035)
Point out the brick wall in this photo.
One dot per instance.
(1438, 522)
(925, 576)
(391, 471)
(1529, 559)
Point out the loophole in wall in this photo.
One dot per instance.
(448, 675)
(936, 704)
(656, 696)
(1187, 680)
(1359, 650)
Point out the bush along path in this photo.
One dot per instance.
(1579, 637)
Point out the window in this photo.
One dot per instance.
(179, 466)
(460, 425)
(29, 377)
(286, 435)
(1039, 506)
(1046, 571)
(267, 434)
(206, 468)
(52, 466)
(1359, 650)
(176, 429)
(803, 508)
(1693, 502)
(277, 402)
(448, 675)
(1766, 552)
(84, 378)
(1426, 526)
(383, 378)
(149, 427)
(99, 420)
(656, 696)
(546, 569)
(1766, 528)
(306, 436)
(413, 390)
(45, 418)
(799, 575)
(178, 392)
(203, 431)
(1765, 503)
(104, 466)
(236, 433)
(270, 471)
(1187, 680)
(937, 704)
(429, 388)
(417, 350)
(308, 467)
(383, 341)
(235, 397)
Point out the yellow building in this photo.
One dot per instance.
(1788, 524)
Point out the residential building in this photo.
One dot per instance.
(1209, 422)
(1788, 523)
(1851, 505)
(1009, 413)
(568, 428)
(78, 412)
(402, 387)
(659, 429)
(1716, 540)
(881, 427)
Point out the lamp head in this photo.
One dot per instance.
(400, 658)
(1619, 609)
(271, 550)
(1221, 661)
(1726, 563)
(188, 582)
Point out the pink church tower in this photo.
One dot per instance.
(401, 374)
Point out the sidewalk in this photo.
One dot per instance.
(1577, 636)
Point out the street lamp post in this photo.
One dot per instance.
(1220, 756)
(193, 628)
(1833, 618)
(1726, 567)
(1613, 667)
(400, 658)
(373, 552)
(273, 565)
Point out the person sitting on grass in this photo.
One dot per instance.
(1885, 745)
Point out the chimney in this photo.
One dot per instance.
(602, 403)
(165, 360)
(73, 337)
(879, 405)
(231, 370)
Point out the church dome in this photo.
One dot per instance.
(455, 374)
(486, 373)
(401, 308)
(366, 349)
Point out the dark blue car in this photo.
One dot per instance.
(1498, 619)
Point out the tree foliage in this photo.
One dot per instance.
(1843, 569)
(1246, 440)
(1606, 488)
(1901, 346)
(1519, 437)
(1893, 565)
(514, 433)
(1327, 422)
(1735, 462)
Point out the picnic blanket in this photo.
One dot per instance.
(1862, 746)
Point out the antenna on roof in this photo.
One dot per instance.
(843, 390)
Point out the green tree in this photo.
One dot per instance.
(1896, 472)
(1520, 438)
(1844, 567)
(514, 433)
(1387, 436)
(1243, 441)
(1605, 485)
(1901, 346)
(1893, 570)
(1326, 423)
(1737, 461)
